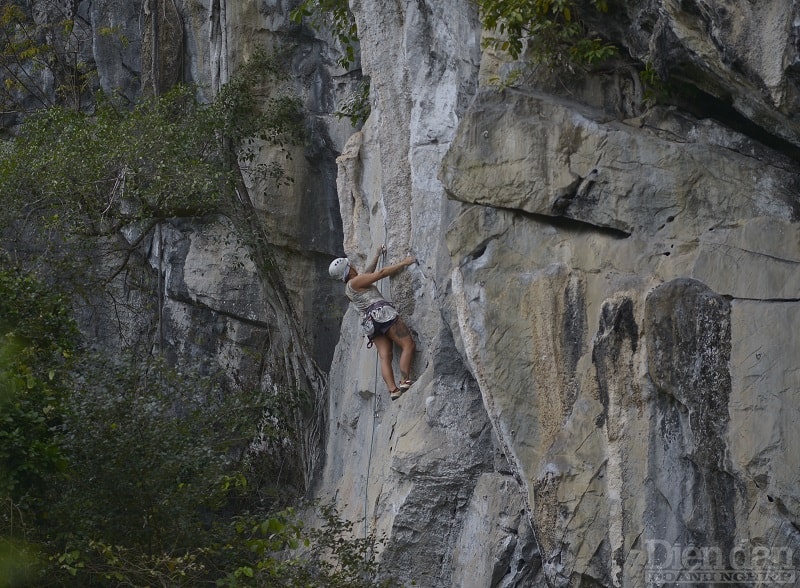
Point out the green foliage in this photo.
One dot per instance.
(274, 550)
(37, 339)
(153, 447)
(656, 90)
(160, 489)
(547, 32)
(285, 554)
(167, 157)
(28, 449)
(152, 454)
(333, 15)
(78, 168)
(121, 471)
(357, 108)
(70, 177)
(341, 558)
(17, 562)
(34, 52)
(37, 314)
(245, 107)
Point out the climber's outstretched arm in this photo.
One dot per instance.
(364, 280)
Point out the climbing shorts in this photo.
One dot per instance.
(378, 319)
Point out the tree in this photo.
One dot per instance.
(546, 32)
(115, 469)
(125, 470)
(147, 475)
(37, 342)
(156, 459)
(77, 184)
(43, 61)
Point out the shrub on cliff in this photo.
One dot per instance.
(72, 181)
(543, 31)
(121, 471)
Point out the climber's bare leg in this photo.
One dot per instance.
(384, 346)
(400, 334)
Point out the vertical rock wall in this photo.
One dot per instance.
(640, 446)
(197, 290)
(427, 470)
(603, 304)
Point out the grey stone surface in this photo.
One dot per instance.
(605, 299)
(594, 271)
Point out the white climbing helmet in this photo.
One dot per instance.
(339, 268)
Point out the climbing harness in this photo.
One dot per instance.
(379, 313)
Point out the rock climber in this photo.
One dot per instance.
(384, 327)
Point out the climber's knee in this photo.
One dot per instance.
(384, 346)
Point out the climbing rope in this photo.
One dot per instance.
(374, 416)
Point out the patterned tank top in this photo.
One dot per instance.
(365, 298)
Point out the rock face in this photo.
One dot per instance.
(614, 284)
(196, 290)
(605, 301)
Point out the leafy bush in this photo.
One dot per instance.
(149, 452)
(547, 32)
(37, 339)
(154, 457)
(157, 487)
(284, 554)
(41, 60)
(122, 471)
(268, 551)
(333, 15)
(72, 181)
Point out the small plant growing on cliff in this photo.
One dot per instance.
(335, 16)
(357, 107)
(547, 32)
(41, 61)
(656, 90)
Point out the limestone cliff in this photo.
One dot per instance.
(196, 290)
(604, 304)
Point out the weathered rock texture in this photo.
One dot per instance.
(198, 290)
(605, 302)
(602, 300)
